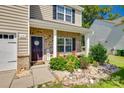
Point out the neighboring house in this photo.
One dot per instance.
(48, 31)
(109, 33)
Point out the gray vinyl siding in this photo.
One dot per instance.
(15, 19)
(45, 12)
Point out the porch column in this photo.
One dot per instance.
(54, 43)
(87, 41)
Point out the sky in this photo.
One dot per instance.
(116, 9)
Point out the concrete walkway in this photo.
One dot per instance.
(6, 78)
(38, 74)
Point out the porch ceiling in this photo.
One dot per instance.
(58, 26)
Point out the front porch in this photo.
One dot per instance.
(59, 40)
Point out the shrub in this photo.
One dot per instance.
(72, 58)
(95, 64)
(58, 63)
(84, 62)
(98, 52)
(70, 66)
(90, 59)
(120, 53)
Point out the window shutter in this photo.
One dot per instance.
(54, 11)
(73, 44)
(73, 16)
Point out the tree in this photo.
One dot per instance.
(122, 6)
(103, 11)
(91, 13)
(113, 16)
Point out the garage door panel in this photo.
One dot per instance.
(8, 52)
(6, 67)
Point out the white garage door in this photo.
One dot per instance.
(8, 51)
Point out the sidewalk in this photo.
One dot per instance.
(37, 75)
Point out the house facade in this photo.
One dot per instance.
(14, 33)
(33, 34)
(109, 33)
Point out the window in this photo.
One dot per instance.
(68, 11)
(11, 36)
(68, 45)
(68, 14)
(5, 36)
(60, 12)
(60, 44)
(82, 40)
(64, 44)
(64, 13)
(0, 36)
(61, 9)
(68, 18)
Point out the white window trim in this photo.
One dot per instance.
(64, 14)
(65, 43)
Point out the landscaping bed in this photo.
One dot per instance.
(91, 75)
(115, 80)
(85, 71)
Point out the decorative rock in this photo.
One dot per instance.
(79, 70)
(65, 79)
(71, 77)
(35, 86)
(61, 74)
(49, 83)
(90, 75)
(44, 85)
(91, 81)
(84, 81)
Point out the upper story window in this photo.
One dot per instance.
(64, 13)
(68, 15)
(60, 12)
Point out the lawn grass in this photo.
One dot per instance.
(117, 60)
(115, 81)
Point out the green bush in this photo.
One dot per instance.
(84, 62)
(95, 64)
(120, 53)
(72, 58)
(98, 52)
(58, 63)
(90, 59)
(70, 66)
